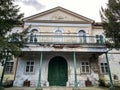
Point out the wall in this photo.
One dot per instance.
(21, 76)
(114, 62)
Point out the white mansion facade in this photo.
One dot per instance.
(64, 49)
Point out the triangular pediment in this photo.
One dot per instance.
(58, 14)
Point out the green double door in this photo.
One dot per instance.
(57, 72)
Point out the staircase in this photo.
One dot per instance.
(57, 88)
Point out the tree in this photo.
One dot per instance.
(9, 17)
(111, 23)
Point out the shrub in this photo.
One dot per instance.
(101, 83)
(8, 83)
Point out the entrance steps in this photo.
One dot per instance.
(57, 88)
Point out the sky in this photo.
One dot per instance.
(87, 8)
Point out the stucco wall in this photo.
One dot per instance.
(114, 62)
(21, 76)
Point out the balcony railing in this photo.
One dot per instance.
(65, 39)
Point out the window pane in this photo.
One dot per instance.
(6, 68)
(31, 69)
(27, 68)
(7, 63)
(106, 69)
(9, 67)
(87, 69)
(28, 63)
(83, 69)
(86, 63)
(105, 64)
(32, 63)
(102, 68)
(83, 63)
(101, 64)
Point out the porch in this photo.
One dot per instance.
(57, 88)
(58, 66)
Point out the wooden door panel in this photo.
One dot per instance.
(57, 74)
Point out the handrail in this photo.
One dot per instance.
(65, 39)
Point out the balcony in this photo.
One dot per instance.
(65, 40)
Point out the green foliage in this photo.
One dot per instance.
(111, 23)
(101, 83)
(9, 17)
(8, 83)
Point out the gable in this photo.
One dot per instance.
(58, 14)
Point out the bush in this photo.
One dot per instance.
(2, 88)
(101, 83)
(8, 83)
(116, 87)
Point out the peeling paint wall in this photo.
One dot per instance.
(114, 62)
(21, 76)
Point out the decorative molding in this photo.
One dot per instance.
(58, 24)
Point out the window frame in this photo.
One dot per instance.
(85, 66)
(58, 35)
(82, 36)
(29, 72)
(104, 68)
(33, 36)
(9, 67)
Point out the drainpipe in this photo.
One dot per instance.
(75, 77)
(4, 67)
(40, 70)
(109, 72)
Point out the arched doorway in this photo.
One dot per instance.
(57, 71)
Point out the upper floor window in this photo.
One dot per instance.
(9, 67)
(99, 39)
(58, 32)
(33, 35)
(58, 35)
(104, 68)
(82, 36)
(81, 33)
(85, 67)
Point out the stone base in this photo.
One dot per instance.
(76, 88)
(39, 88)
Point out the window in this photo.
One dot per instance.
(99, 39)
(30, 66)
(104, 68)
(9, 67)
(85, 67)
(82, 36)
(58, 36)
(33, 35)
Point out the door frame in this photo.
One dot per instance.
(66, 66)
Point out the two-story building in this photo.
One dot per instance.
(62, 49)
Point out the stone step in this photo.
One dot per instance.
(57, 88)
(20, 88)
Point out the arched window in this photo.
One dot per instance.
(82, 36)
(33, 35)
(58, 35)
(58, 32)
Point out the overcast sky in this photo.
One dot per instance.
(87, 8)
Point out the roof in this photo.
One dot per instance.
(58, 9)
